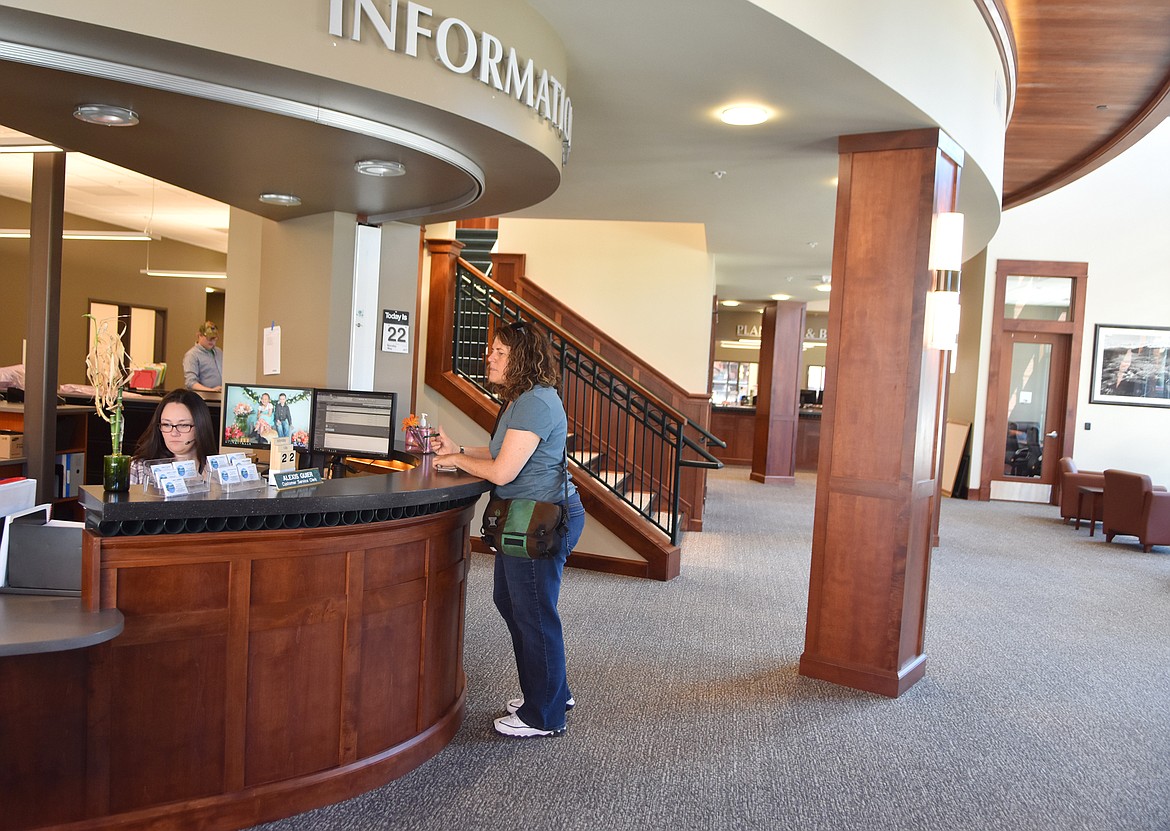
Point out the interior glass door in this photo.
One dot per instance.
(1034, 373)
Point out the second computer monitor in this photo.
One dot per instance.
(354, 423)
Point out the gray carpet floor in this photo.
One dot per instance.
(1046, 701)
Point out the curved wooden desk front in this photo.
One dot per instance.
(296, 662)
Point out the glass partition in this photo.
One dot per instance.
(734, 384)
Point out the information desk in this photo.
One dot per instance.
(281, 651)
(737, 427)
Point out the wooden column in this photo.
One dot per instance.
(881, 427)
(778, 400)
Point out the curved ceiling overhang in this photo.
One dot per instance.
(230, 128)
(464, 179)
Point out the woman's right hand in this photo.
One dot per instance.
(441, 443)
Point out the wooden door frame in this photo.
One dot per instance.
(995, 419)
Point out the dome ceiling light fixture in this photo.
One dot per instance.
(106, 115)
(377, 167)
(744, 115)
(287, 200)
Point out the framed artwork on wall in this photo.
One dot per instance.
(1131, 365)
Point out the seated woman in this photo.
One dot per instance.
(181, 428)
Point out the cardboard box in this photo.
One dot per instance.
(11, 445)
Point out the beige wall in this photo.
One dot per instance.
(1115, 219)
(648, 285)
(108, 272)
(306, 277)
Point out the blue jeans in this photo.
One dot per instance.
(283, 428)
(526, 593)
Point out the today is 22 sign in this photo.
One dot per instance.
(395, 331)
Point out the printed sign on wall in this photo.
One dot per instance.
(395, 331)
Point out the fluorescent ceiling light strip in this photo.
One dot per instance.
(198, 275)
(108, 236)
(97, 68)
(30, 148)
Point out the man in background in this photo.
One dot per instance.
(203, 363)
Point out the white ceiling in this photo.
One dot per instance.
(646, 142)
(107, 193)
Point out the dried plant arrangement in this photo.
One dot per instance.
(107, 370)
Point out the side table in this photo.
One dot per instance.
(1095, 495)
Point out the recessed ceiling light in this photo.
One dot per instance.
(377, 167)
(825, 287)
(287, 199)
(744, 115)
(781, 296)
(728, 302)
(106, 115)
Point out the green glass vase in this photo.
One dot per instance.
(116, 473)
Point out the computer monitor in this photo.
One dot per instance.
(354, 423)
(250, 411)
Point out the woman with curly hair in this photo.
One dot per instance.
(525, 459)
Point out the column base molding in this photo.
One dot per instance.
(866, 679)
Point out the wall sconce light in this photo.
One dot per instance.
(946, 261)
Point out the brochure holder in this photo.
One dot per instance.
(163, 475)
(234, 472)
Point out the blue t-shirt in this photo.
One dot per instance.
(539, 411)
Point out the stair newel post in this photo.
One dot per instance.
(441, 308)
(676, 475)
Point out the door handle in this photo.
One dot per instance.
(1051, 435)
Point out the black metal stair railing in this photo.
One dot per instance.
(620, 433)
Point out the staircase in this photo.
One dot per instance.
(478, 244)
(628, 448)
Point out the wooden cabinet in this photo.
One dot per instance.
(736, 426)
(808, 441)
(259, 674)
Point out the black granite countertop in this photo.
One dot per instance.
(803, 412)
(397, 491)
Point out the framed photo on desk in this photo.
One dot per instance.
(1131, 365)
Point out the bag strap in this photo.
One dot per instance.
(492, 434)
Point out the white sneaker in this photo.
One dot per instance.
(516, 703)
(513, 726)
